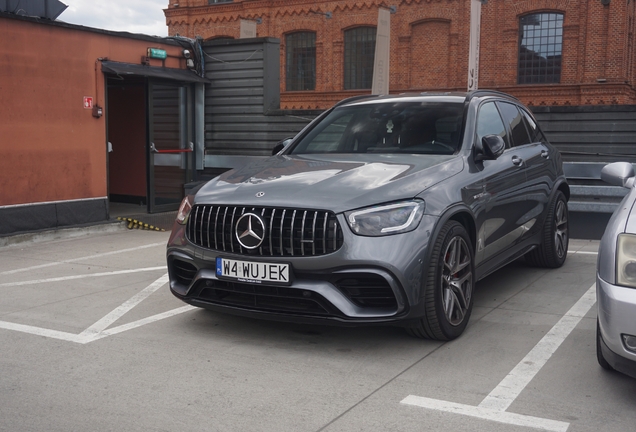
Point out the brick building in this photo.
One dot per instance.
(546, 52)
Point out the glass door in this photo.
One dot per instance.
(170, 148)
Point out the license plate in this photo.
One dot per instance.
(252, 272)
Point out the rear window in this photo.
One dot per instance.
(401, 127)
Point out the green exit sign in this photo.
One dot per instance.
(157, 53)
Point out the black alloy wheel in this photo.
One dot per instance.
(449, 287)
(553, 250)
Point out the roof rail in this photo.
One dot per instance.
(485, 92)
(354, 98)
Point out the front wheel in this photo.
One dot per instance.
(450, 283)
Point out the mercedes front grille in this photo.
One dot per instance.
(288, 232)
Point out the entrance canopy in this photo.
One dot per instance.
(124, 69)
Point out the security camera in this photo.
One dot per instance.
(186, 53)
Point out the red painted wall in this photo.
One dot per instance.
(51, 148)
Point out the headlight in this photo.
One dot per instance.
(626, 260)
(184, 210)
(386, 219)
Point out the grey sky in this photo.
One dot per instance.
(135, 16)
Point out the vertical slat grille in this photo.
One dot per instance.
(288, 232)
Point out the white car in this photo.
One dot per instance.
(616, 279)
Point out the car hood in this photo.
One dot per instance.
(329, 182)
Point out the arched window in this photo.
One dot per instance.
(540, 48)
(300, 57)
(359, 53)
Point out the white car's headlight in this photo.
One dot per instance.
(626, 260)
(386, 219)
(184, 210)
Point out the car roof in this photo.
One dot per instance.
(457, 97)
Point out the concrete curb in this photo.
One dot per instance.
(62, 233)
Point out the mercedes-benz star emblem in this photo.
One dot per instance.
(250, 230)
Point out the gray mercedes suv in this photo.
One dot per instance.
(383, 210)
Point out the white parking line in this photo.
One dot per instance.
(100, 255)
(109, 319)
(494, 406)
(75, 277)
(487, 414)
(512, 385)
(142, 322)
(38, 331)
(99, 329)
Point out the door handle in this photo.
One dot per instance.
(516, 160)
(545, 154)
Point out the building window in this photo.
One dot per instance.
(219, 1)
(300, 54)
(359, 52)
(540, 48)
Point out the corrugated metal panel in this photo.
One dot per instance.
(167, 134)
(591, 134)
(242, 101)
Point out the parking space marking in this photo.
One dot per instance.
(109, 319)
(100, 255)
(100, 330)
(494, 406)
(487, 414)
(38, 331)
(84, 276)
(142, 322)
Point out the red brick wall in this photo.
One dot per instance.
(429, 44)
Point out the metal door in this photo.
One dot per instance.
(170, 145)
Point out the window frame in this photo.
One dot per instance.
(532, 67)
(358, 55)
(305, 77)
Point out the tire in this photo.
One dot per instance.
(450, 283)
(599, 352)
(553, 250)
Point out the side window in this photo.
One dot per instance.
(513, 118)
(535, 133)
(489, 122)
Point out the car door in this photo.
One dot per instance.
(496, 193)
(535, 155)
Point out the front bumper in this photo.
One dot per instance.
(368, 280)
(616, 310)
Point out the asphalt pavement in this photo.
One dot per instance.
(92, 340)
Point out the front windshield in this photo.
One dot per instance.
(400, 127)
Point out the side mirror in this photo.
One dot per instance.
(618, 174)
(490, 148)
(280, 145)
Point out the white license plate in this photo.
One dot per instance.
(252, 272)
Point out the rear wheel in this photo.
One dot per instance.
(553, 250)
(450, 283)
